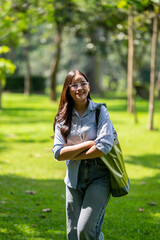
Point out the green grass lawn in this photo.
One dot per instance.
(32, 180)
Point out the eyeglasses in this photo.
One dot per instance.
(74, 86)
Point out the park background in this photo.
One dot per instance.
(117, 44)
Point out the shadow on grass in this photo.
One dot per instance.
(3, 147)
(24, 137)
(21, 213)
(148, 160)
(136, 215)
(29, 115)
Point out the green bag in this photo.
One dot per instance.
(115, 163)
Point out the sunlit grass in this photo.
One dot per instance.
(27, 163)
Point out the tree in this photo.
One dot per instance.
(27, 17)
(19, 20)
(137, 7)
(98, 19)
(55, 63)
(130, 96)
(6, 67)
(59, 13)
(153, 65)
(158, 85)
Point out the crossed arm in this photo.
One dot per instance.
(85, 150)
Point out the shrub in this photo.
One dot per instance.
(15, 83)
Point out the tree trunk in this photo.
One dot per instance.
(130, 96)
(27, 77)
(0, 95)
(94, 74)
(152, 72)
(90, 73)
(98, 76)
(55, 65)
(158, 85)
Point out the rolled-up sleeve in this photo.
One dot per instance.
(59, 142)
(105, 131)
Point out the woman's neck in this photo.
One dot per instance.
(81, 107)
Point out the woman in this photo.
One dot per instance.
(80, 142)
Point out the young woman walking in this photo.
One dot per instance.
(80, 142)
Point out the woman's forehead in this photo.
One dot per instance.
(78, 78)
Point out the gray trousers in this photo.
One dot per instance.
(85, 205)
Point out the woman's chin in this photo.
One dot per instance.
(81, 96)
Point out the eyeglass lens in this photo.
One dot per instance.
(83, 85)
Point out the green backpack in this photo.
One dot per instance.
(115, 163)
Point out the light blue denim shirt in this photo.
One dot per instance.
(84, 128)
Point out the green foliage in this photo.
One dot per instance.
(6, 66)
(138, 4)
(4, 49)
(27, 163)
(18, 18)
(90, 28)
(8, 28)
(155, 1)
(97, 19)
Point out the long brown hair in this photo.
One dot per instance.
(66, 104)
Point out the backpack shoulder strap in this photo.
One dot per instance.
(97, 118)
(98, 111)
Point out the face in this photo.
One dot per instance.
(79, 89)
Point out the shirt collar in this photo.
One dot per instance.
(90, 108)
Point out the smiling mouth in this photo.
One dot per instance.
(80, 93)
